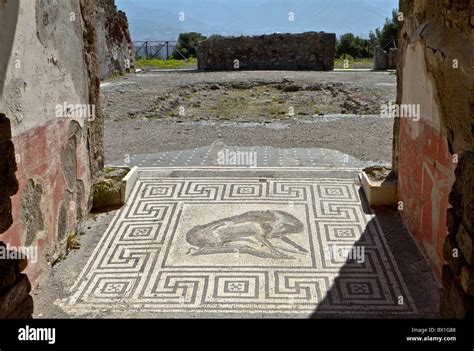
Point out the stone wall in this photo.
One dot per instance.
(114, 44)
(458, 275)
(15, 300)
(306, 51)
(384, 60)
(434, 153)
(49, 78)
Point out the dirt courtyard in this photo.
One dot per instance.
(165, 111)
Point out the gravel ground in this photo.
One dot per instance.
(332, 110)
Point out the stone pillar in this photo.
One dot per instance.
(392, 58)
(380, 59)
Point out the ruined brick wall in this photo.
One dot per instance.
(114, 44)
(50, 62)
(436, 72)
(306, 51)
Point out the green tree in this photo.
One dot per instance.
(187, 45)
(388, 34)
(354, 46)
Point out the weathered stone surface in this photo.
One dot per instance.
(24, 309)
(452, 254)
(467, 279)
(435, 71)
(380, 59)
(6, 219)
(96, 127)
(454, 302)
(61, 66)
(114, 44)
(462, 194)
(466, 244)
(392, 58)
(384, 60)
(9, 273)
(31, 211)
(306, 51)
(10, 300)
(453, 221)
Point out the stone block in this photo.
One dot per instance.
(467, 280)
(380, 59)
(24, 309)
(455, 303)
(9, 273)
(392, 58)
(453, 221)
(452, 254)
(10, 300)
(6, 219)
(466, 244)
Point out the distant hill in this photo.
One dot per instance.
(158, 19)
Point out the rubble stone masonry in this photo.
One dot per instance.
(434, 156)
(306, 51)
(114, 45)
(47, 160)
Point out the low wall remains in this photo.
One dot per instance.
(306, 51)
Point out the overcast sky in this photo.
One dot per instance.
(159, 19)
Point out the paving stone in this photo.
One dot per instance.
(263, 157)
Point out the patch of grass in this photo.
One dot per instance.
(278, 100)
(116, 75)
(273, 111)
(101, 188)
(72, 242)
(166, 64)
(106, 193)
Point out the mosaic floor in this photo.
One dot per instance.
(206, 246)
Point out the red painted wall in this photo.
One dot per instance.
(426, 175)
(38, 156)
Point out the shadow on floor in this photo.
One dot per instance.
(422, 287)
